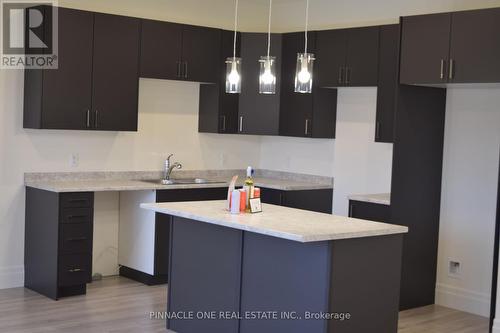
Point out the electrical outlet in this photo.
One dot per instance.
(454, 268)
(74, 160)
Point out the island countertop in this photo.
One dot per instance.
(277, 221)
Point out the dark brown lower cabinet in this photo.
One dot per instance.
(369, 211)
(314, 200)
(58, 242)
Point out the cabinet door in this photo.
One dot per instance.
(115, 72)
(258, 114)
(66, 101)
(387, 82)
(475, 46)
(331, 46)
(201, 54)
(161, 50)
(295, 108)
(425, 48)
(218, 111)
(362, 57)
(228, 108)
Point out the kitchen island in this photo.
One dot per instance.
(282, 270)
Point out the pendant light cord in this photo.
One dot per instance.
(307, 24)
(235, 28)
(269, 29)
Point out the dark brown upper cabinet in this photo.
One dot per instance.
(62, 98)
(425, 47)
(115, 87)
(387, 82)
(161, 50)
(475, 46)
(304, 115)
(257, 113)
(95, 86)
(348, 57)
(180, 52)
(459, 47)
(218, 111)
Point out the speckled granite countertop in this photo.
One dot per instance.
(141, 180)
(379, 198)
(282, 222)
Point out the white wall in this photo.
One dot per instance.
(360, 164)
(168, 118)
(288, 15)
(468, 200)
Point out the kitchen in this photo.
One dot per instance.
(168, 123)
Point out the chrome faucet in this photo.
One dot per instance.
(169, 167)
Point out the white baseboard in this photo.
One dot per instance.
(11, 277)
(463, 300)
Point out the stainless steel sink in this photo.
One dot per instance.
(183, 181)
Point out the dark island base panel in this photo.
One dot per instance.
(216, 269)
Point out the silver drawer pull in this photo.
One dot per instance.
(76, 270)
(77, 239)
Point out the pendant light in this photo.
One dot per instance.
(267, 77)
(233, 64)
(305, 61)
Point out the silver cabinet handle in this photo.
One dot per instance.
(451, 73)
(348, 75)
(178, 69)
(377, 130)
(223, 123)
(241, 123)
(441, 74)
(306, 131)
(88, 118)
(96, 119)
(185, 70)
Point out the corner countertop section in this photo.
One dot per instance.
(141, 180)
(379, 198)
(281, 222)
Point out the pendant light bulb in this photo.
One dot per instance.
(267, 75)
(305, 61)
(233, 64)
(304, 76)
(234, 76)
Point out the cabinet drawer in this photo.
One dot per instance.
(75, 269)
(77, 215)
(77, 200)
(75, 238)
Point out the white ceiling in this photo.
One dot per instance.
(288, 15)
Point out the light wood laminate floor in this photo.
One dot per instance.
(120, 305)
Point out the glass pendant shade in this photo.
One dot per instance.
(233, 75)
(304, 73)
(267, 77)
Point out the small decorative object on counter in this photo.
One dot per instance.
(243, 200)
(230, 190)
(249, 187)
(256, 192)
(255, 205)
(235, 202)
